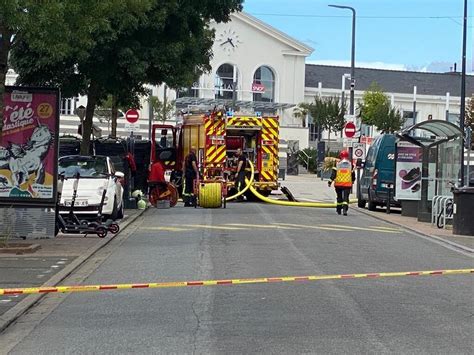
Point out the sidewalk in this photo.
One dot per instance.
(48, 266)
(310, 187)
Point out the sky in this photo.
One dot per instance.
(420, 35)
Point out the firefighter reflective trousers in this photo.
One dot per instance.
(342, 198)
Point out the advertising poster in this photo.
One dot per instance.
(408, 172)
(28, 149)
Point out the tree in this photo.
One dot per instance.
(327, 113)
(376, 110)
(470, 113)
(54, 29)
(162, 111)
(146, 42)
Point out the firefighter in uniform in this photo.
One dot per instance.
(240, 172)
(343, 176)
(191, 172)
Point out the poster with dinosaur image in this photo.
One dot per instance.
(28, 148)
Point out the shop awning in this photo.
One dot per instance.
(441, 129)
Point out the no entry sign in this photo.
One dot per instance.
(132, 115)
(349, 129)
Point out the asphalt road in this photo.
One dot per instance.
(432, 314)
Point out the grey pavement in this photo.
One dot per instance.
(309, 187)
(423, 315)
(54, 260)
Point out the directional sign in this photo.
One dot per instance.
(358, 151)
(132, 115)
(350, 129)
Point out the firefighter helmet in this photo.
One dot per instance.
(344, 154)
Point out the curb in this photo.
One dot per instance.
(24, 305)
(440, 239)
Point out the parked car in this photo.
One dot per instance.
(96, 173)
(379, 169)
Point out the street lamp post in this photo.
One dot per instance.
(351, 103)
(463, 89)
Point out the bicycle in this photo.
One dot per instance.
(447, 211)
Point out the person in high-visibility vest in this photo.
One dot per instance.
(343, 176)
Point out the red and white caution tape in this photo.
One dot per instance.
(89, 288)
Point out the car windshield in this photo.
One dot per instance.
(85, 166)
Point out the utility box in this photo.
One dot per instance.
(463, 221)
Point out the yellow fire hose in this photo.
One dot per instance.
(278, 202)
(248, 183)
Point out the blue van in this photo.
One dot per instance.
(379, 169)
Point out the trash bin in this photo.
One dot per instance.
(463, 221)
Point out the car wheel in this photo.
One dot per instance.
(120, 213)
(361, 203)
(371, 204)
(115, 212)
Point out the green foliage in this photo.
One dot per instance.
(327, 112)
(469, 120)
(376, 110)
(162, 111)
(138, 42)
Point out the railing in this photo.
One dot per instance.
(441, 210)
(308, 158)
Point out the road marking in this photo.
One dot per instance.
(168, 229)
(363, 229)
(212, 227)
(313, 227)
(273, 226)
(386, 228)
(258, 280)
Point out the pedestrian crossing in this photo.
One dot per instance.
(273, 226)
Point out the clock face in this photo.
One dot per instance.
(228, 40)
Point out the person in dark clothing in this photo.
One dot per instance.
(240, 172)
(191, 172)
(343, 176)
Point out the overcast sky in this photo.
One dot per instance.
(423, 35)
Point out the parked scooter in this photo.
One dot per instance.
(72, 224)
(112, 226)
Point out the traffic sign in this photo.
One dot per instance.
(350, 129)
(132, 115)
(358, 151)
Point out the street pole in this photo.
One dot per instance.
(414, 104)
(351, 103)
(447, 106)
(343, 91)
(150, 113)
(463, 90)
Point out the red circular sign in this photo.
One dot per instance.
(350, 129)
(132, 115)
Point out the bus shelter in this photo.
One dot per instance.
(428, 163)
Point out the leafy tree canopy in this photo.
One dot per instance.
(144, 42)
(326, 112)
(376, 110)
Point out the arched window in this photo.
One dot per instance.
(263, 85)
(224, 81)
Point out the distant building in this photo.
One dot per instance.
(267, 70)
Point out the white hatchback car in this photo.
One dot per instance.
(96, 173)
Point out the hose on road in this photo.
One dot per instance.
(278, 202)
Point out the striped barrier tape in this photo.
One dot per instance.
(88, 288)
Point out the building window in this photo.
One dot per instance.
(409, 119)
(192, 91)
(224, 82)
(263, 86)
(67, 106)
